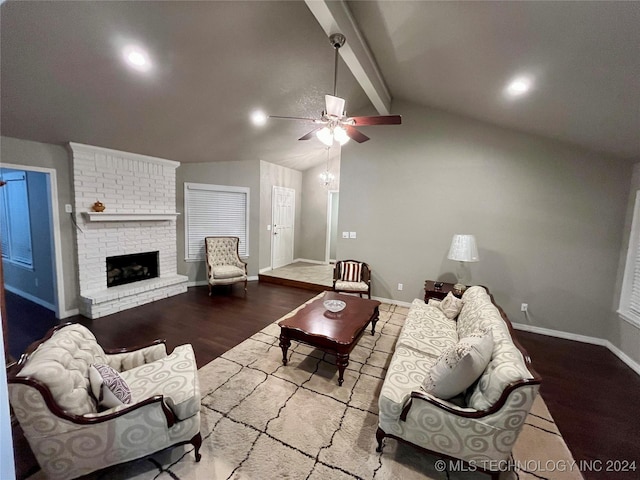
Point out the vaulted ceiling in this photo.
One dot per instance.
(213, 63)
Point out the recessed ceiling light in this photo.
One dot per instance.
(518, 86)
(137, 58)
(258, 118)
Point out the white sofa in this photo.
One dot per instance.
(70, 435)
(480, 426)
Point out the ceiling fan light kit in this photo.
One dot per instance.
(335, 125)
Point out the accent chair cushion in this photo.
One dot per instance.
(352, 286)
(451, 305)
(460, 366)
(108, 387)
(351, 271)
(226, 271)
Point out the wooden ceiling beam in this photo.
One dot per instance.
(335, 17)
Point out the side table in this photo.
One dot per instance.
(430, 290)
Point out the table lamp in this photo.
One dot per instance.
(463, 249)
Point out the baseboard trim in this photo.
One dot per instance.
(202, 283)
(392, 302)
(69, 313)
(306, 260)
(30, 297)
(632, 364)
(265, 269)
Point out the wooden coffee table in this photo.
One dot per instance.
(335, 333)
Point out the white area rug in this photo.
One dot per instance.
(262, 420)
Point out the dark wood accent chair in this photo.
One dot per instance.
(359, 284)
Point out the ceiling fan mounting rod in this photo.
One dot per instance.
(337, 40)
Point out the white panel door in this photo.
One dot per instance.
(282, 221)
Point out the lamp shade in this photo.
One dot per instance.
(463, 248)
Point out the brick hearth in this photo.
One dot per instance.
(140, 188)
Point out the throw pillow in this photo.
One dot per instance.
(451, 306)
(460, 365)
(351, 271)
(108, 387)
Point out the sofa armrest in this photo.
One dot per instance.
(155, 402)
(123, 359)
(435, 401)
(521, 385)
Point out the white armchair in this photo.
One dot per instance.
(70, 435)
(224, 266)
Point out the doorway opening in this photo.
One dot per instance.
(332, 226)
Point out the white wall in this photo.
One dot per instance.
(548, 216)
(7, 469)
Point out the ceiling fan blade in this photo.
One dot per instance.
(305, 119)
(310, 134)
(355, 134)
(334, 105)
(377, 120)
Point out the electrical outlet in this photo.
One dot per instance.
(400, 286)
(352, 235)
(345, 234)
(524, 307)
(68, 208)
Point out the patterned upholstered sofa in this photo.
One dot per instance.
(481, 425)
(49, 391)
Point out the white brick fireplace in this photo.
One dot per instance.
(139, 193)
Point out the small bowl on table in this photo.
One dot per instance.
(334, 306)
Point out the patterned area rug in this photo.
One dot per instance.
(262, 420)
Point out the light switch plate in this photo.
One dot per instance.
(68, 208)
(352, 235)
(345, 234)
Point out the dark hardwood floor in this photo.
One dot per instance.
(594, 398)
(592, 395)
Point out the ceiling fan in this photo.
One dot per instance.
(334, 124)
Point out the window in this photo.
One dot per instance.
(630, 296)
(214, 210)
(14, 219)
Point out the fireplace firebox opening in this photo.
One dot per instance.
(123, 269)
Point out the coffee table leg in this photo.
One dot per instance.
(342, 360)
(374, 320)
(284, 345)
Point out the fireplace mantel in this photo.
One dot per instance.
(128, 216)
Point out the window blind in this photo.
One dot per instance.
(630, 294)
(215, 210)
(634, 297)
(16, 225)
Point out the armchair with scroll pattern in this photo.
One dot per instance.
(70, 435)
